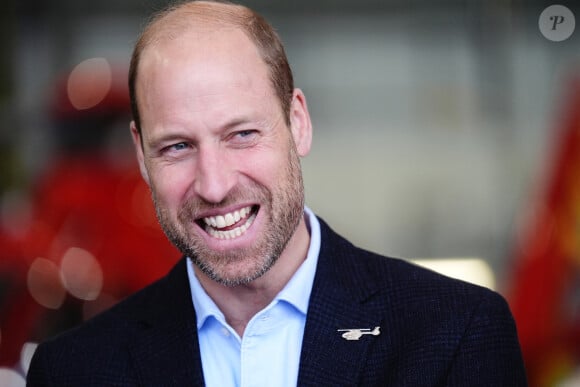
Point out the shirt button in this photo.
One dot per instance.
(225, 332)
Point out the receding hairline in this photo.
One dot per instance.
(191, 15)
(177, 20)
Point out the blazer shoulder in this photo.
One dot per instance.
(89, 354)
(396, 284)
(110, 326)
(100, 346)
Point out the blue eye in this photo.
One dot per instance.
(245, 133)
(178, 146)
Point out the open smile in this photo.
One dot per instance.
(230, 225)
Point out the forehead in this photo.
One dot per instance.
(205, 45)
(203, 67)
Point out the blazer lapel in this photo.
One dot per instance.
(338, 301)
(166, 349)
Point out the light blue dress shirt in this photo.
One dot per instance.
(269, 352)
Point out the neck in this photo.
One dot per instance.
(240, 303)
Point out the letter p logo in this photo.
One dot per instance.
(557, 20)
(557, 23)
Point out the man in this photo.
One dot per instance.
(266, 294)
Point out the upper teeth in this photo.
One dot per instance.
(221, 221)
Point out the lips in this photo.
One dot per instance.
(232, 224)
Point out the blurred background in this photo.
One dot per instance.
(446, 132)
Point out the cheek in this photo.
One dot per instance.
(170, 185)
(265, 168)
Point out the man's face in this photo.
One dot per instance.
(222, 164)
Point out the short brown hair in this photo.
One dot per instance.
(173, 20)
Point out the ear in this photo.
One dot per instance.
(137, 142)
(300, 123)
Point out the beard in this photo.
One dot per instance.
(284, 207)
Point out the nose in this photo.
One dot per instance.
(214, 177)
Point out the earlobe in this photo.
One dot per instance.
(301, 125)
(139, 151)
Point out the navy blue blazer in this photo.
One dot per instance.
(435, 331)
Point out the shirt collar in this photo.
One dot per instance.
(296, 292)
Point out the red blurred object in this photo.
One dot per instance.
(87, 200)
(107, 211)
(545, 294)
(115, 99)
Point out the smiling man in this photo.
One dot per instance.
(220, 154)
(266, 293)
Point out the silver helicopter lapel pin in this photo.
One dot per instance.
(355, 334)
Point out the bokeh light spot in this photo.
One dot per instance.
(89, 83)
(44, 283)
(81, 274)
(11, 378)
